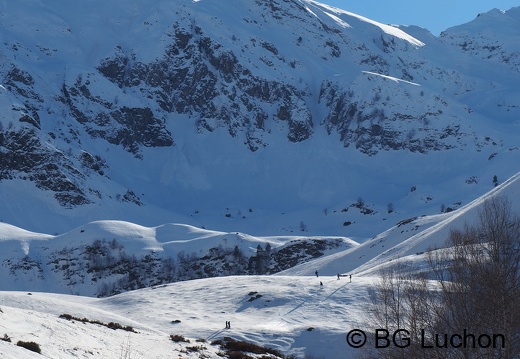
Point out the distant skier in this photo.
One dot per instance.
(228, 325)
(316, 273)
(321, 284)
(350, 277)
(338, 276)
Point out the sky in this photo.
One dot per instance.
(435, 16)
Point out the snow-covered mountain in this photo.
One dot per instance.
(265, 117)
(144, 144)
(289, 312)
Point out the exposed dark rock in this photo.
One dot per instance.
(24, 156)
(33, 121)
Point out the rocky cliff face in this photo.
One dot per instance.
(198, 76)
(85, 99)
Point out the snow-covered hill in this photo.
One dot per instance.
(108, 257)
(289, 312)
(264, 117)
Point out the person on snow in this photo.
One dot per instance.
(316, 273)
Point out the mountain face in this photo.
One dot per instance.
(261, 116)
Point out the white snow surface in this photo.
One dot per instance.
(280, 318)
(251, 198)
(337, 13)
(291, 313)
(395, 79)
(211, 180)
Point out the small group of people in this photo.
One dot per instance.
(349, 277)
(339, 275)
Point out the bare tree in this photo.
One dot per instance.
(478, 293)
(401, 307)
(481, 285)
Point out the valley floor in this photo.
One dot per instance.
(294, 315)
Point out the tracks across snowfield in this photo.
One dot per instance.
(291, 314)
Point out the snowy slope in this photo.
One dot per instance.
(407, 240)
(34, 317)
(291, 314)
(255, 117)
(131, 133)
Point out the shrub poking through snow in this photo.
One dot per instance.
(6, 338)
(236, 349)
(195, 348)
(32, 346)
(178, 338)
(110, 325)
(254, 297)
